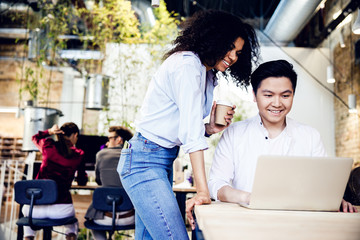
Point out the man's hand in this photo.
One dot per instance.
(199, 199)
(211, 127)
(347, 207)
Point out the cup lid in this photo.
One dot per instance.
(224, 102)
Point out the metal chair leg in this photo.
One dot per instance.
(47, 233)
(110, 233)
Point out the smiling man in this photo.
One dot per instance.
(271, 132)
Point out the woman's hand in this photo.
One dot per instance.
(347, 207)
(199, 199)
(55, 130)
(211, 127)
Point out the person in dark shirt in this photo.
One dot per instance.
(60, 161)
(106, 175)
(352, 192)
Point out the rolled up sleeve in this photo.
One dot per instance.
(189, 96)
(40, 140)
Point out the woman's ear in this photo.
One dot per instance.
(73, 138)
(76, 136)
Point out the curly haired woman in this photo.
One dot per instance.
(179, 97)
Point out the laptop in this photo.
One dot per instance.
(299, 183)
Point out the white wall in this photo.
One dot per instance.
(313, 105)
(72, 98)
(130, 68)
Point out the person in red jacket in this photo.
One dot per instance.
(60, 161)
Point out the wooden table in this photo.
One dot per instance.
(88, 186)
(230, 221)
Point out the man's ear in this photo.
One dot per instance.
(119, 141)
(254, 96)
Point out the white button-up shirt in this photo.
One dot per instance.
(243, 142)
(179, 97)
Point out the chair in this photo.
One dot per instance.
(196, 234)
(110, 199)
(39, 192)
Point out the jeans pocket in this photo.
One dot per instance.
(150, 146)
(125, 162)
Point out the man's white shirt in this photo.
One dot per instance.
(236, 155)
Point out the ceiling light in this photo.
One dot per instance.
(155, 3)
(341, 41)
(345, 21)
(337, 14)
(330, 74)
(352, 103)
(356, 25)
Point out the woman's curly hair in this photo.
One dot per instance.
(211, 34)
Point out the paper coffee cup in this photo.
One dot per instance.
(222, 108)
(155, 3)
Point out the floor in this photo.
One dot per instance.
(81, 200)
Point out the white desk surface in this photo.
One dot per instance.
(227, 221)
(93, 186)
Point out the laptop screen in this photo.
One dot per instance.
(300, 183)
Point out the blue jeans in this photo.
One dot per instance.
(145, 169)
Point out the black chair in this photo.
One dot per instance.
(39, 192)
(110, 199)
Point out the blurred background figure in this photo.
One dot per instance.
(106, 175)
(60, 161)
(352, 192)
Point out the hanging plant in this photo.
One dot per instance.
(166, 26)
(53, 21)
(108, 21)
(114, 21)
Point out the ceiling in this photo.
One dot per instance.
(256, 11)
(286, 22)
(291, 22)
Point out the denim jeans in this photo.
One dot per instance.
(145, 169)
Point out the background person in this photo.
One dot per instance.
(352, 192)
(270, 132)
(178, 98)
(60, 161)
(106, 175)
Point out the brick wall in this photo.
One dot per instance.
(10, 75)
(11, 65)
(347, 125)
